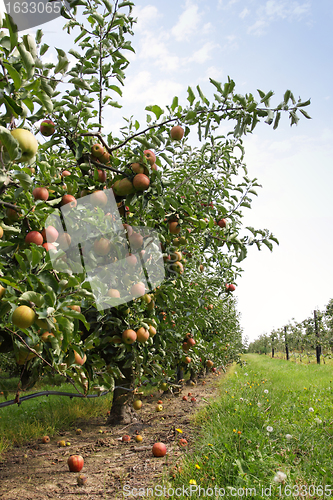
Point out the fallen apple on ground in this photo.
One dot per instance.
(75, 463)
(137, 404)
(159, 450)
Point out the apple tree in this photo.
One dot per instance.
(177, 175)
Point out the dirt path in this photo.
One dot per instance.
(39, 471)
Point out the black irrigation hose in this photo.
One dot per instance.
(57, 393)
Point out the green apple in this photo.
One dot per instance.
(27, 142)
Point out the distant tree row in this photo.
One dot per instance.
(314, 332)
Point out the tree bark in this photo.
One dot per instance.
(180, 373)
(121, 412)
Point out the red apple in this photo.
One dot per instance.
(65, 173)
(142, 335)
(141, 182)
(222, 223)
(102, 246)
(150, 156)
(126, 438)
(50, 234)
(49, 247)
(97, 150)
(40, 193)
(182, 442)
(64, 241)
(135, 240)
(138, 289)
(131, 260)
(174, 227)
(47, 128)
(75, 463)
(34, 237)
(193, 400)
(128, 229)
(69, 199)
(78, 359)
(101, 176)
(177, 133)
(231, 287)
(45, 439)
(98, 199)
(129, 336)
(184, 398)
(138, 168)
(159, 450)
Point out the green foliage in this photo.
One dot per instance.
(196, 186)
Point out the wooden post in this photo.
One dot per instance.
(286, 344)
(318, 347)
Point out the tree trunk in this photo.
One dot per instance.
(121, 410)
(272, 352)
(180, 373)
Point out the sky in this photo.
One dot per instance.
(271, 45)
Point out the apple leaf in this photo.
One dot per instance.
(11, 145)
(174, 103)
(156, 110)
(24, 179)
(191, 96)
(36, 298)
(28, 61)
(80, 83)
(14, 75)
(30, 45)
(12, 105)
(13, 31)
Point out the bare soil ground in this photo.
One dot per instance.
(39, 471)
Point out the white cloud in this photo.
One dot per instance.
(187, 24)
(207, 29)
(202, 55)
(245, 12)
(154, 49)
(225, 5)
(274, 10)
(143, 88)
(147, 18)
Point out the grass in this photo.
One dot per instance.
(46, 415)
(272, 428)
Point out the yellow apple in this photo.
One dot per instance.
(27, 142)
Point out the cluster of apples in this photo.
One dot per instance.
(187, 344)
(130, 336)
(140, 180)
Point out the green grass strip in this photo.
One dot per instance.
(269, 435)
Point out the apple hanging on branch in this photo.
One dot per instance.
(27, 142)
(177, 133)
(47, 128)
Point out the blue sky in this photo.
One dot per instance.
(271, 45)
